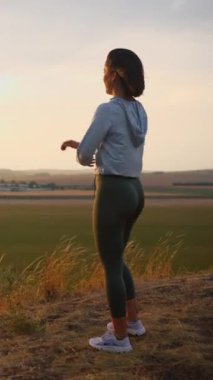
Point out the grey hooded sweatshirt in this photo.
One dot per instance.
(116, 137)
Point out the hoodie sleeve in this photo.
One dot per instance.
(95, 135)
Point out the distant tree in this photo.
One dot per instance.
(33, 185)
(51, 186)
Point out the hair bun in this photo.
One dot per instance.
(130, 70)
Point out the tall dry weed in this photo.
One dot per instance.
(72, 268)
(155, 264)
(159, 263)
(50, 275)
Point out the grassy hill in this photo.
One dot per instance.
(49, 340)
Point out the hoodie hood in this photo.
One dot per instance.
(136, 118)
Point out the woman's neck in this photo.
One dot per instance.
(118, 92)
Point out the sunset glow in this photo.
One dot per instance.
(51, 70)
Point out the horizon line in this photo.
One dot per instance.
(92, 170)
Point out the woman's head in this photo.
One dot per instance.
(126, 67)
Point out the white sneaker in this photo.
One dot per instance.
(133, 328)
(108, 342)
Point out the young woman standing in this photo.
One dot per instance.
(115, 142)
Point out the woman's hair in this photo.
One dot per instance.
(129, 69)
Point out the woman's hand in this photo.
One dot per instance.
(71, 143)
(74, 144)
(92, 163)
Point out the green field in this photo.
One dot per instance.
(28, 231)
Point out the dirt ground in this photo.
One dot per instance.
(49, 341)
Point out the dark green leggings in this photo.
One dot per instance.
(118, 203)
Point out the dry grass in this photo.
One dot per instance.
(49, 340)
(72, 268)
(158, 263)
(49, 311)
(50, 276)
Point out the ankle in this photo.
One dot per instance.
(132, 313)
(121, 337)
(120, 327)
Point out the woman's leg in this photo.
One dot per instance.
(132, 313)
(115, 202)
(109, 241)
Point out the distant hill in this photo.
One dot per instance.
(166, 179)
(45, 175)
(150, 179)
(37, 172)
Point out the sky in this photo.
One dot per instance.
(51, 77)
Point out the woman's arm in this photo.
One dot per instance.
(93, 138)
(71, 143)
(74, 144)
(95, 135)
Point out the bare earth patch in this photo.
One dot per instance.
(49, 341)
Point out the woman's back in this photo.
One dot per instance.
(121, 151)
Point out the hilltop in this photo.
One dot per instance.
(48, 341)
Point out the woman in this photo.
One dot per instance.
(115, 139)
